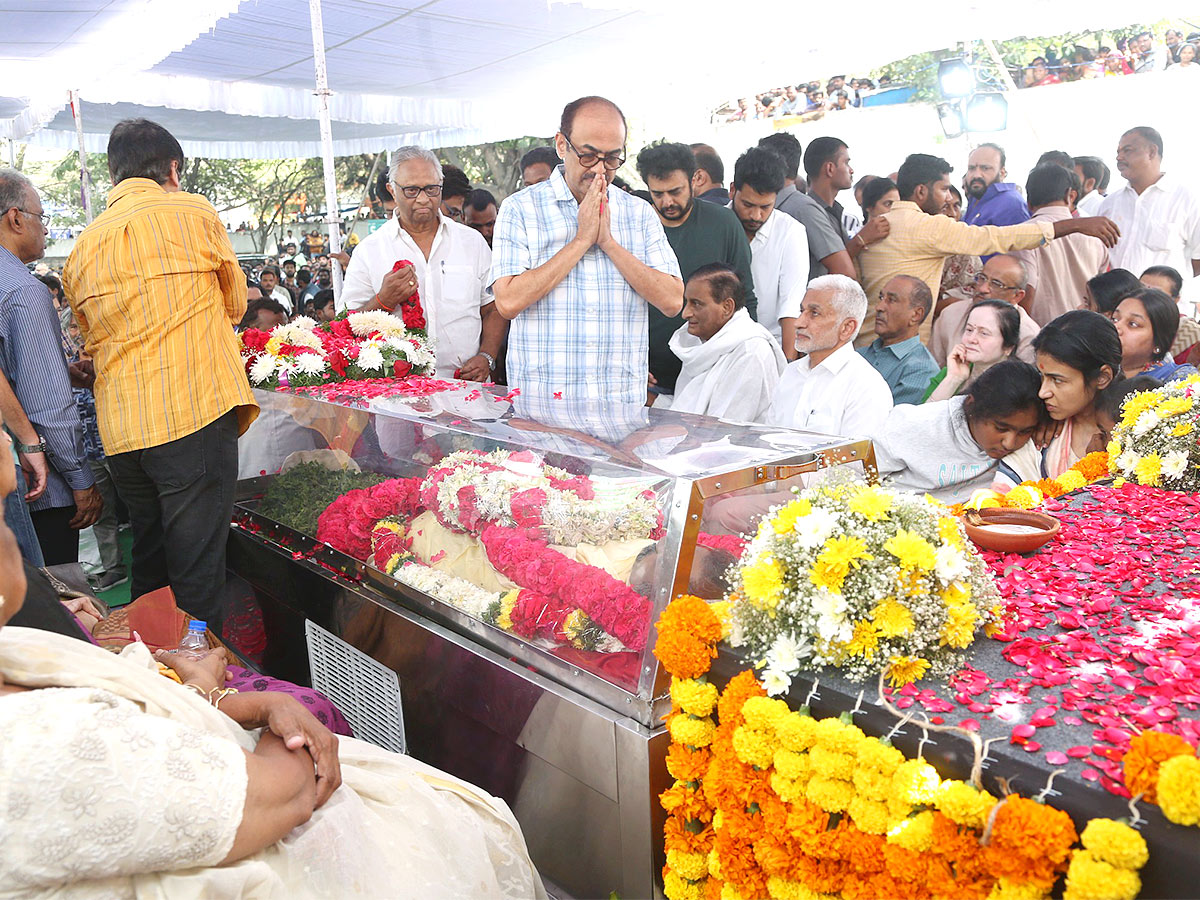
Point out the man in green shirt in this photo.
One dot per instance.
(699, 233)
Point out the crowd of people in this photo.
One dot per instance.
(976, 345)
(798, 99)
(1136, 55)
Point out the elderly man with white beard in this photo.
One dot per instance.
(731, 364)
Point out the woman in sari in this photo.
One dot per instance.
(117, 782)
(1079, 355)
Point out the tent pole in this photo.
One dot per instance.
(85, 177)
(333, 216)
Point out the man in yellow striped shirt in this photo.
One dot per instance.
(156, 289)
(920, 239)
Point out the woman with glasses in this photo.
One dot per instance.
(990, 335)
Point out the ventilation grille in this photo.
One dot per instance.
(366, 691)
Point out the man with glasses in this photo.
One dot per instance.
(577, 265)
(445, 261)
(1003, 278)
(32, 361)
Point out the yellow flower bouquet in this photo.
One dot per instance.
(862, 579)
(1155, 441)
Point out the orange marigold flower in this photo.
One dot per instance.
(683, 655)
(691, 615)
(1033, 830)
(677, 837)
(741, 688)
(1050, 487)
(1093, 466)
(1147, 751)
(686, 764)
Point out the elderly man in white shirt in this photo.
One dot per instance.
(731, 364)
(832, 390)
(1159, 216)
(448, 265)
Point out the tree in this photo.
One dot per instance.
(496, 165)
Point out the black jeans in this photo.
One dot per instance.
(59, 541)
(180, 500)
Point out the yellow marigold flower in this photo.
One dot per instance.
(781, 889)
(692, 866)
(714, 858)
(1071, 480)
(875, 755)
(1007, 889)
(762, 582)
(834, 562)
(831, 794)
(864, 641)
(507, 603)
(690, 731)
(1115, 843)
(1148, 470)
(796, 732)
(1182, 429)
(676, 887)
(723, 610)
(892, 619)
(789, 789)
(904, 670)
(912, 550)
(1024, 496)
(963, 804)
(870, 816)
(1179, 789)
(764, 713)
(914, 833)
(872, 784)
(1089, 878)
(949, 531)
(784, 521)
(839, 737)
(729, 892)
(871, 503)
(790, 764)
(754, 747)
(915, 782)
(696, 698)
(831, 764)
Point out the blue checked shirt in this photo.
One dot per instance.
(588, 337)
(31, 355)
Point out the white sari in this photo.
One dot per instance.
(116, 782)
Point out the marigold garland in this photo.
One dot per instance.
(780, 804)
(1147, 752)
(1030, 494)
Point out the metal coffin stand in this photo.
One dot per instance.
(578, 758)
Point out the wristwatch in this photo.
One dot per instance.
(491, 360)
(39, 447)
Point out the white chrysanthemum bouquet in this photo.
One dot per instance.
(862, 579)
(1155, 442)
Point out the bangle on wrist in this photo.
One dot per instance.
(859, 238)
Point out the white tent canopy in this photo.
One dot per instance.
(233, 78)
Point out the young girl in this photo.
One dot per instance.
(951, 447)
(991, 334)
(1079, 355)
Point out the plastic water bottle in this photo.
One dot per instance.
(194, 644)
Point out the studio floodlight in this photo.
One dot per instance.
(955, 78)
(987, 111)
(951, 118)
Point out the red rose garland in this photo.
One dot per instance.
(410, 309)
(533, 565)
(347, 522)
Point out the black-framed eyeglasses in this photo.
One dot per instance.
(44, 216)
(410, 191)
(996, 285)
(612, 161)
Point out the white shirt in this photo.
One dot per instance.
(779, 263)
(843, 396)
(283, 297)
(730, 376)
(453, 284)
(1159, 227)
(1090, 203)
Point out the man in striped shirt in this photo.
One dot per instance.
(156, 289)
(31, 356)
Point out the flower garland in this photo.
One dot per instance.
(1163, 768)
(793, 807)
(449, 589)
(533, 565)
(534, 615)
(353, 346)
(348, 522)
(470, 489)
(411, 312)
(1030, 494)
(1155, 441)
(862, 579)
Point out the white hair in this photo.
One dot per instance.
(846, 296)
(15, 189)
(404, 154)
